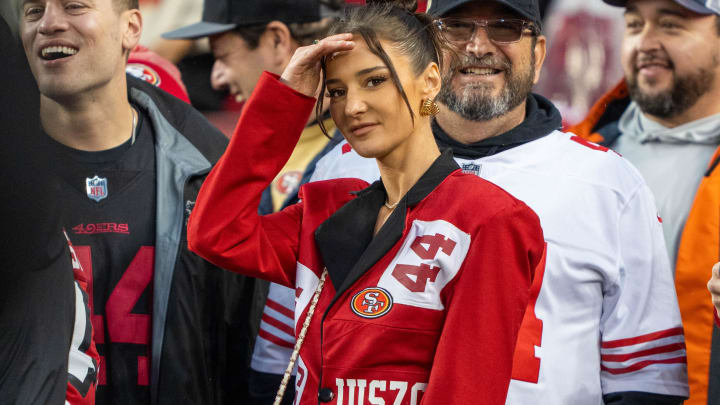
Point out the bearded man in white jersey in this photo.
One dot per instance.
(604, 326)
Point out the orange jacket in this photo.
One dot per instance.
(699, 245)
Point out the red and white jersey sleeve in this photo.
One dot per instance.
(276, 337)
(83, 358)
(642, 347)
(605, 316)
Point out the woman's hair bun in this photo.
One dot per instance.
(409, 5)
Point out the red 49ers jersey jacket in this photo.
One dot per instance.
(425, 311)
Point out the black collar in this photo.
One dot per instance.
(433, 176)
(345, 240)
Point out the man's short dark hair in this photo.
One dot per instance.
(123, 5)
(303, 33)
(251, 34)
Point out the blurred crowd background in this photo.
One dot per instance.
(583, 59)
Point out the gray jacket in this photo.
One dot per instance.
(201, 334)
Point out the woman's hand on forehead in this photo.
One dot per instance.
(303, 72)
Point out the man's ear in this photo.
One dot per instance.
(278, 40)
(132, 24)
(432, 80)
(540, 52)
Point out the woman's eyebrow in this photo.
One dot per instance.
(368, 70)
(358, 74)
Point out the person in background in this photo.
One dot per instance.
(47, 354)
(247, 38)
(170, 327)
(714, 288)
(603, 325)
(165, 15)
(664, 118)
(158, 71)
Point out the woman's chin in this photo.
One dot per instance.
(368, 151)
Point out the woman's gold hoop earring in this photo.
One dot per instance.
(429, 108)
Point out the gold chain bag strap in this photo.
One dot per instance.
(300, 339)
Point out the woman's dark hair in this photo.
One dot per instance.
(412, 34)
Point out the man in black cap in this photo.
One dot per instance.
(247, 38)
(603, 325)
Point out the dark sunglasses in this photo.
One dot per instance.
(500, 30)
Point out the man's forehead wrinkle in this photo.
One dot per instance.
(23, 3)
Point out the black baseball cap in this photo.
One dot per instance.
(224, 15)
(528, 9)
(698, 6)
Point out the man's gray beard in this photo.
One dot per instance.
(684, 93)
(475, 102)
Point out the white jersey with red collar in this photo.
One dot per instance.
(606, 317)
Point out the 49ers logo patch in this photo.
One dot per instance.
(144, 72)
(372, 302)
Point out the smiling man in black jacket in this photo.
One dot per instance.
(170, 328)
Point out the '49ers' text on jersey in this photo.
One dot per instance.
(110, 211)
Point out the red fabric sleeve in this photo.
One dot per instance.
(84, 394)
(83, 355)
(717, 320)
(224, 226)
(474, 356)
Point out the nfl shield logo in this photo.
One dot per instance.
(96, 187)
(471, 168)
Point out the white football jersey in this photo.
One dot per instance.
(606, 317)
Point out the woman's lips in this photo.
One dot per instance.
(362, 129)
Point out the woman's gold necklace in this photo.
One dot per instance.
(390, 206)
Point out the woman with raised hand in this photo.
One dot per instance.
(410, 290)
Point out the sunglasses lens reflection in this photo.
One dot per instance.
(504, 31)
(500, 31)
